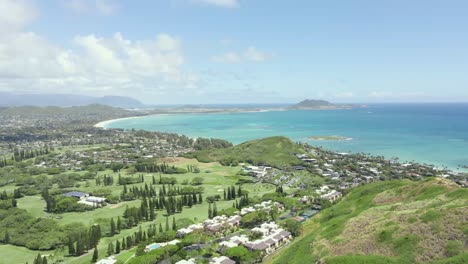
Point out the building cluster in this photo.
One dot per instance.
(272, 238)
(265, 206)
(214, 260)
(257, 171)
(85, 198)
(215, 226)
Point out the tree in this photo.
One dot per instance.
(117, 247)
(210, 212)
(119, 224)
(6, 238)
(95, 255)
(71, 247)
(293, 226)
(116, 167)
(124, 246)
(174, 226)
(110, 249)
(215, 210)
(197, 181)
(38, 259)
(112, 227)
(241, 255)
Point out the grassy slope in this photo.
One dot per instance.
(387, 222)
(274, 151)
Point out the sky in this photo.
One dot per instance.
(237, 51)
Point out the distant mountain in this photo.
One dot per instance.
(119, 101)
(11, 99)
(317, 105)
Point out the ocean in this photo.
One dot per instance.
(435, 134)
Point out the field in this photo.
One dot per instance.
(216, 178)
(12, 254)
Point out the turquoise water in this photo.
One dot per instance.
(428, 133)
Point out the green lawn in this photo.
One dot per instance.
(34, 204)
(126, 255)
(216, 178)
(12, 254)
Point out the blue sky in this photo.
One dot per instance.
(237, 51)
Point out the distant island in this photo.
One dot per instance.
(309, 104)
(329, 138)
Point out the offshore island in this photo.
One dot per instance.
(338, 138)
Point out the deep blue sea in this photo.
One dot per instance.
(428, 133)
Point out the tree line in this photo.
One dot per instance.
(19, 155)
(158, 168)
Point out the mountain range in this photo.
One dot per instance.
(11, 99)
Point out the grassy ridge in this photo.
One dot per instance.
(273, 151)
(387, 222)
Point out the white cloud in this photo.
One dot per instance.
(15, 14)
(221, 3)
(103, 7)
(228, 57)
(94, 64)
(251, 54)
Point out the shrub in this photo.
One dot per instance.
(430, 216)
(385, 236)
(454, 247)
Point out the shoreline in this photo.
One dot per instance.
(103, 124)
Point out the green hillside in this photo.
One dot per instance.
(387, 222)
(52, 111)
(273, 151)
